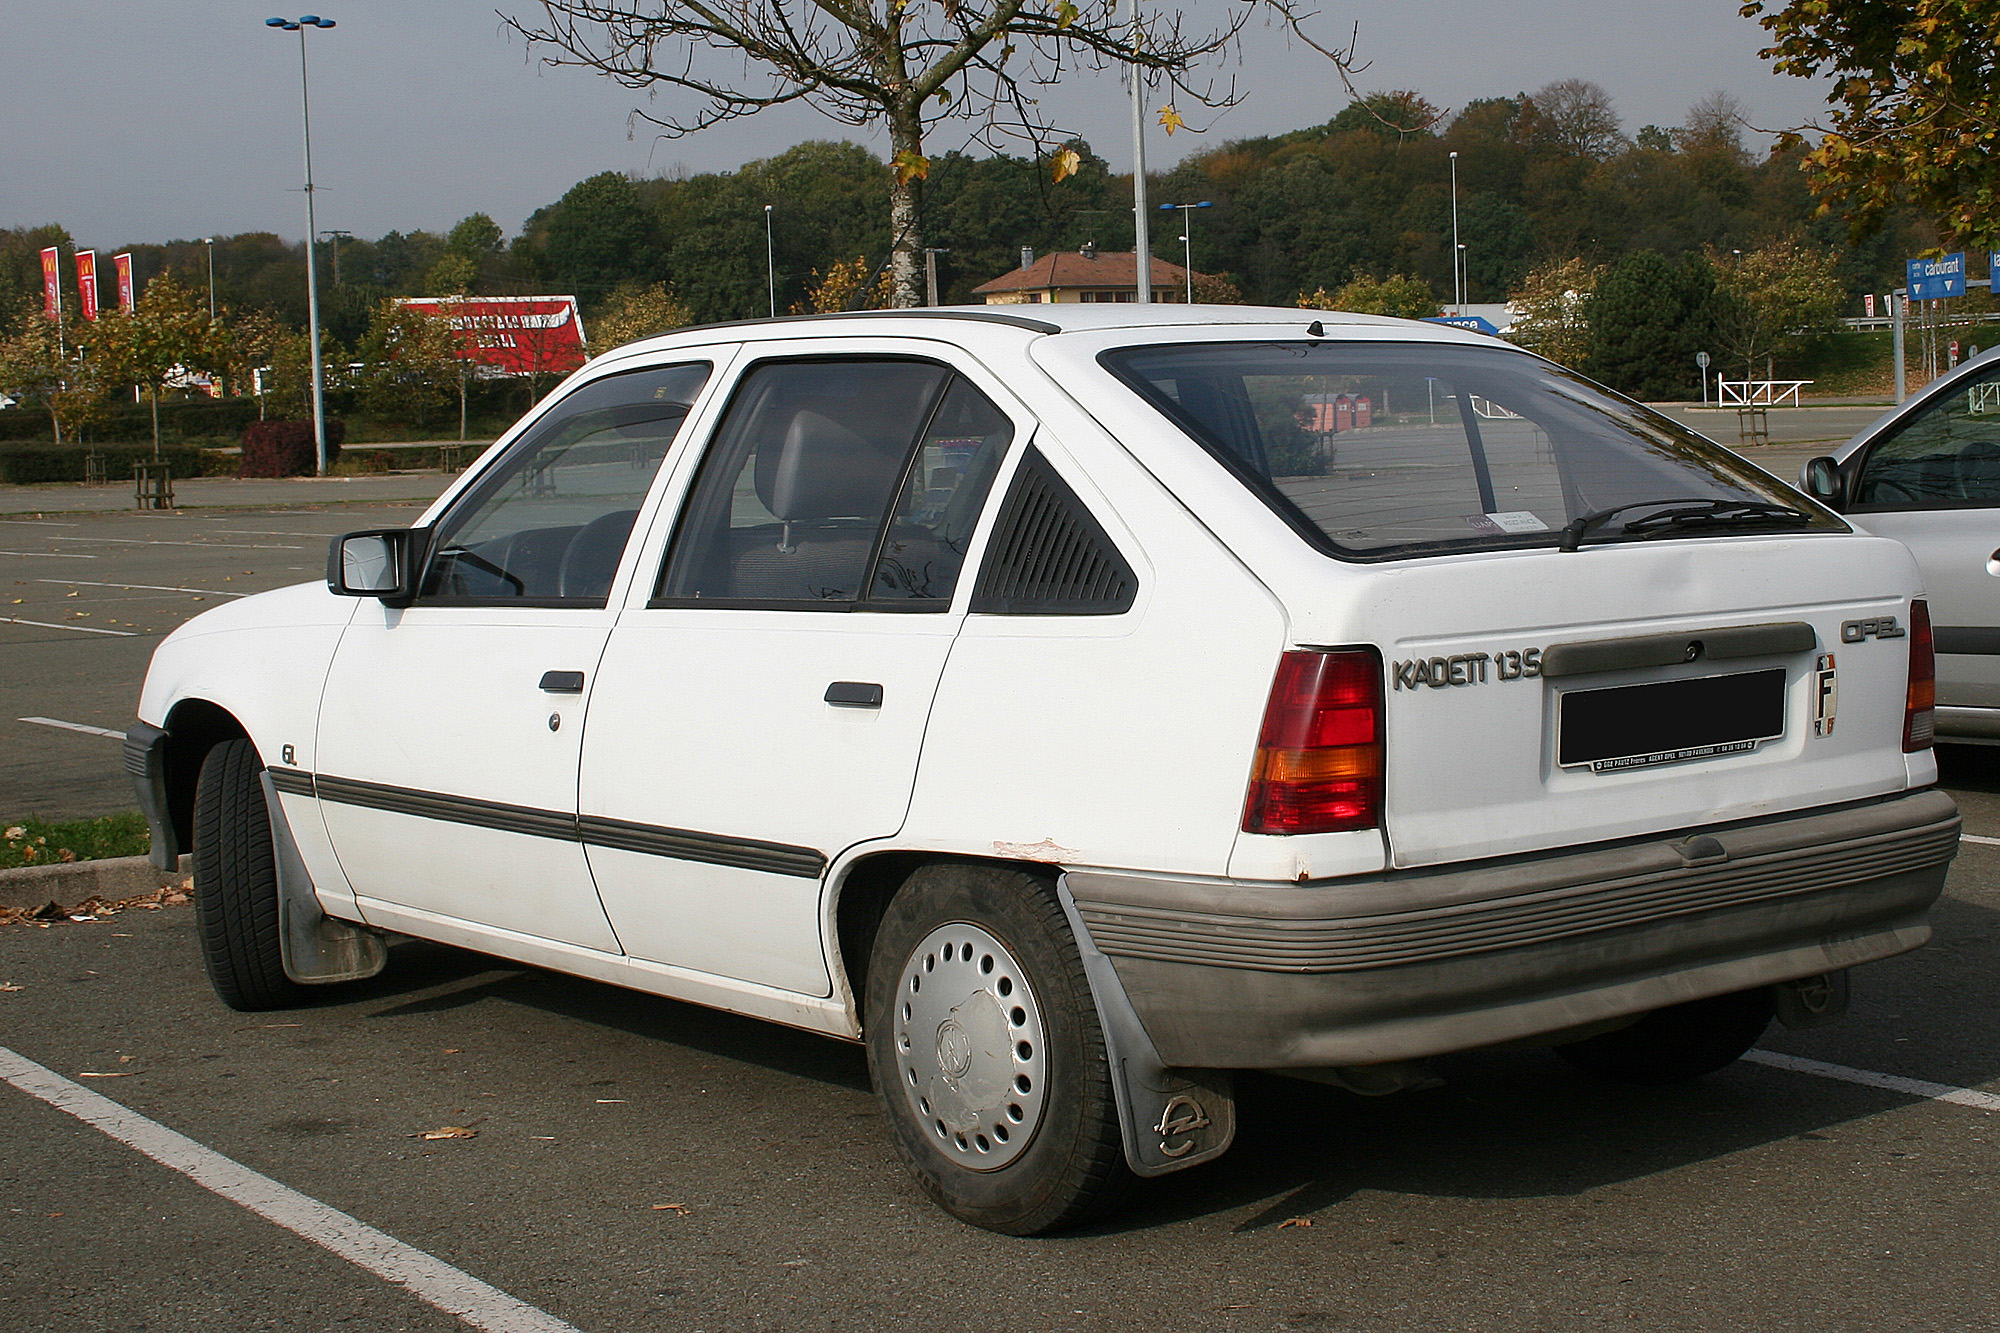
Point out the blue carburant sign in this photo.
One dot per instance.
(1477, 323)
(1934, 279)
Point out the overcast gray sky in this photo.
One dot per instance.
(150, 122)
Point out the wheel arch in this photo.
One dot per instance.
(193, 727)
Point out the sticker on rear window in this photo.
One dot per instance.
(1519, 520)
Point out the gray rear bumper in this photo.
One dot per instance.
(1413, 963)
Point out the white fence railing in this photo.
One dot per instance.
(1758, 393)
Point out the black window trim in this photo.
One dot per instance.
(481, 488)
(863, 604)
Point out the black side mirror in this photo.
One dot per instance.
(385, 563)
(1821, 479)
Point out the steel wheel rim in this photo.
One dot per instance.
(971, 1053)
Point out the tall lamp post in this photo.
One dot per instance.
(1187, 238)
(209, 241)
(299, 26)
(1459, 272)
(770, 262)
(1457, 287)
(1142, 241)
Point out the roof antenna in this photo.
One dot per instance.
(1315, 330)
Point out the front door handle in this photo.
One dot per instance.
(562, 682)
(854, 694)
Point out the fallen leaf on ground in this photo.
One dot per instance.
(680, 1208)
(454, 1050)
(450, 1132)
(1295, 1222)
(8, 985)
(117, 1073)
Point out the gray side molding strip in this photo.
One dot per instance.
(317, 949)
(1170, 1118)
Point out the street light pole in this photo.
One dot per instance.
(299, 26)
(1142, 241)
(1187, 238)
(930, 273)
(209, 241)
(1457, 287)
(770, 262)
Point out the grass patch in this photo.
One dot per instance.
(37, 842)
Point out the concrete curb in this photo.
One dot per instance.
(71, 882)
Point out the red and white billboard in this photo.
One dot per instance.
(515, 335)
(86, 281)
(52, 283)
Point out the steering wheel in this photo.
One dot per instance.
(591, 558)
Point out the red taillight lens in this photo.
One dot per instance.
(1319, 756)
(1919, 722)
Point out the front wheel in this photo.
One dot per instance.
(986, 1053)
(1680, 1043)
(236, 882)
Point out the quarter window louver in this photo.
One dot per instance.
(1048, 556)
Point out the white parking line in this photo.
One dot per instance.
(424, 1276)
(141, 587)
(73, 726)
(1983, 842)
(38, 523)
(149, 541)
(80, 629)
(51, 555)
(1914, 1087)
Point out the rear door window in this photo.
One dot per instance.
(1945, 457)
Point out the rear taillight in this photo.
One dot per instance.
(1919, 723)
(1319, 756)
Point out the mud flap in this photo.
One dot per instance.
(317, 949)
(1170, 1118)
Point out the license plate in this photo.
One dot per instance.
(1669, 721)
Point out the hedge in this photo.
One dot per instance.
(24, 464)
(130, 423)
(287, 448)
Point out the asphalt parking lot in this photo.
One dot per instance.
(634, 1163)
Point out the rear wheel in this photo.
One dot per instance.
(985, 1049)
(1679, 1043)
(236, 882)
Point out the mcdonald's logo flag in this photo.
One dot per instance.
(122, 266)
(86, 281)
(52, 283)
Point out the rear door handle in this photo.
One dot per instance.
(854, 694)
(562, 682)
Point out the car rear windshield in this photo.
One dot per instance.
(1376, 450)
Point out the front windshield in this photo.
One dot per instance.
(1384, 449)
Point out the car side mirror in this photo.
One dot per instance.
(385, 563)
(1822, 480)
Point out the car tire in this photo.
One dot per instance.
(1680, 1043)
(994, 1079)
(236, 882)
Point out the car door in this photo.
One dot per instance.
(764, 709)
(450, 728)
(1932, 481)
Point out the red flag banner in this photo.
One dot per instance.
(122, 266)
(513, 335)
(86, 281)
(52, 282)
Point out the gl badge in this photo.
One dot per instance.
(1826, 695)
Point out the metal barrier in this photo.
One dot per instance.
(95, 472)
(153, 484)
(1762, 393)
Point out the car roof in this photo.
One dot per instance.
(1050, 319)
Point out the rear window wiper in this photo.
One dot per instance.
(1691, 512)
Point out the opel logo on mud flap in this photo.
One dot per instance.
(1182, 1118)
(954, 1049)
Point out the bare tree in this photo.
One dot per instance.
(1714, 123)
(906, 64)
(1580, 116)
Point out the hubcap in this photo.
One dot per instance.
(969, 1047)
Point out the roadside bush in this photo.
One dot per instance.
(27, 464)
(286, 448)
(129, 423)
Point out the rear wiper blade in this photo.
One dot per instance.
(1692, 511)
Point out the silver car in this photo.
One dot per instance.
(1928, 474)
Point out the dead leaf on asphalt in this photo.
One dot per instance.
(119, 1073)
(449, 1132)
(94, 908)
(8, 985)
(680, 1208)
(1295, 1222)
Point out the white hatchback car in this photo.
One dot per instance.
(1928, 474)
(1077, 706)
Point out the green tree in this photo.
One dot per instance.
(1399, 294)
(1553, 302)
(597, 236)
(1914, 107)
(37, 366)
(410, 363)
(1647, 320)
(168, 335)
(632, 312)
(1770, 300)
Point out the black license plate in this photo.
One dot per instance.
(1635, 726)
